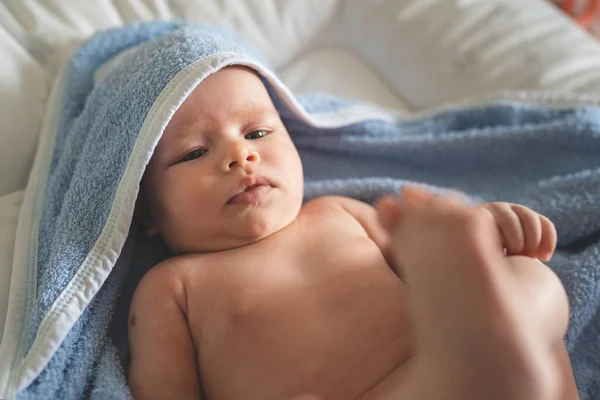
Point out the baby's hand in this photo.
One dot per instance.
(426, 231)
(524, 232)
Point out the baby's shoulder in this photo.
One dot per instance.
(172, 272)
(163, 276)
(335, 210)
(338, 205)
(326, 204)
(169, 279)
(159, 282)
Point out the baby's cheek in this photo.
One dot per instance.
(183, 202)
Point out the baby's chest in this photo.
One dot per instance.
(292, 321)
(321, 267)
(322, 302)
(322, 274)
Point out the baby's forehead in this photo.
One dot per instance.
(231, 93)
(186, 120)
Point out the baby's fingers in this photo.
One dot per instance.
(532, 229)
(390, 208)
(388, 212)
(549, 238)
(509, 225)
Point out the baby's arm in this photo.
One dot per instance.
(480, 329)
(162, 354)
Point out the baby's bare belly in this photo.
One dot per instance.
(334, 333)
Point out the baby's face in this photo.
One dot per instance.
(225, 173)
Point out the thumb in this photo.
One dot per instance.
(414, 195)
(389, 212)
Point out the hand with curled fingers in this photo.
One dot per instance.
(430, 229)
(524, 232)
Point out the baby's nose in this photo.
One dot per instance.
(241, 155)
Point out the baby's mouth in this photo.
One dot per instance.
(251, 190)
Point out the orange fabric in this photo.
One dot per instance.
(588, 15)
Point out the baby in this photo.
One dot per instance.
(268, 298)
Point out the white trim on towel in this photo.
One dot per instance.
(23, 280)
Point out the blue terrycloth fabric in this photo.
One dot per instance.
(547, 159)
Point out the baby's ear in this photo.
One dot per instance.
(143, 216)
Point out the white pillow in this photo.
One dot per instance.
(24, 88)
(9, 212)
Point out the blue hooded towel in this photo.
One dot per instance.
(78, 257)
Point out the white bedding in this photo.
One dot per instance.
(410, 55)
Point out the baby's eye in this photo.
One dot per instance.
(192, 155)
(256, 134)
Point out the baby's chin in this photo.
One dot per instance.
(260, 223)
(256, 232)
(244, 234)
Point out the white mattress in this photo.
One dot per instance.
(408, 55)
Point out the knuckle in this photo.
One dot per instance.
(532, 223)
(477, 220)
(518, 245)
(528, 215)
(495, 207)
(520, 207)
(483, 216)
